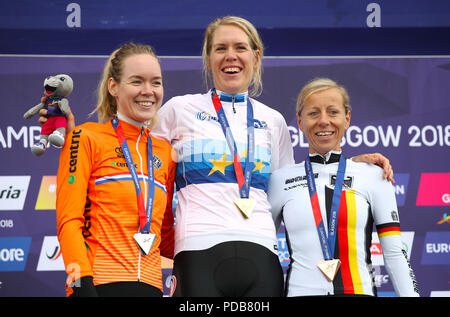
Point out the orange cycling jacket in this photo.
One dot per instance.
(96, 205)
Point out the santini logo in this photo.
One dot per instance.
(13, 190)
(202, 116)
(205, 116)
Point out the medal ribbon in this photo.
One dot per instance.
(145, 215)
(327, 243)
(243, 177)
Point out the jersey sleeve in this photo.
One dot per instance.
(167, 230)
(275, 197)
(385, 213)
(71, 198)
(166, 127)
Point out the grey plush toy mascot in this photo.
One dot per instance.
(57, 88)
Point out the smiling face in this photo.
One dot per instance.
(232, 60)
(323, 120)
(139, 92)
(59, 85)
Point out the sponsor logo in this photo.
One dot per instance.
(172, 284)
(380, 277)
(444, 219)
(205, 116)
(157, 163)
(348, 181)
(13, 190)
(260, 124)
(122, 164)
(47, 194)
(119, 152)
(434, 189)
(377, 252)
(50, 258)
(87, 218)
(14, 253)
(298, 179)
(440, 294)
(401, 187)
(394, 216)
(436, 248)
(6, 223)
(74, 151)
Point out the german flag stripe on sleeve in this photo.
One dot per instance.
(388, 229)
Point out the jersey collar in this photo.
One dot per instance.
(131, 121)
(139, 125)
(329, 158)
(223, 96)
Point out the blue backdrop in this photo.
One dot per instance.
(393, 57)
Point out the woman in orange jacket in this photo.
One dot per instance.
(115, 185)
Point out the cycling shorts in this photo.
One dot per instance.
(232, 269)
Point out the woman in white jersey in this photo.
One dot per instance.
(227, 145)
(329, 205)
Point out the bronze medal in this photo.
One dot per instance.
(329, 268)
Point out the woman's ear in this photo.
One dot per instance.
(299, 122)
(112, 87)
(348, 116)
(257, 58)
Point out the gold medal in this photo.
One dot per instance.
(245, 205)
(145, 241)
(329, 268)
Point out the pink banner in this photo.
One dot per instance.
(434, 190)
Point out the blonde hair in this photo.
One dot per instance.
(320, 84)
(254, 41)
(106, 104)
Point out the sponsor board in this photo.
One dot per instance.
(14, 253)
(13, 191)
(436, 249)
(401, 188)
(50, 257)
(376, 250)
(283, 251)
(47, 194)
(434, 190)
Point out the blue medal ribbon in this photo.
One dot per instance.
(243, 178)
(145, 214)
(327, 242)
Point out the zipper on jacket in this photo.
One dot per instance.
(145, 191)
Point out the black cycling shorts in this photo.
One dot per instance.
(233, 269)
(86, 288)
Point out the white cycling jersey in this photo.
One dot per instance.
(366, 200)
(206, 182)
